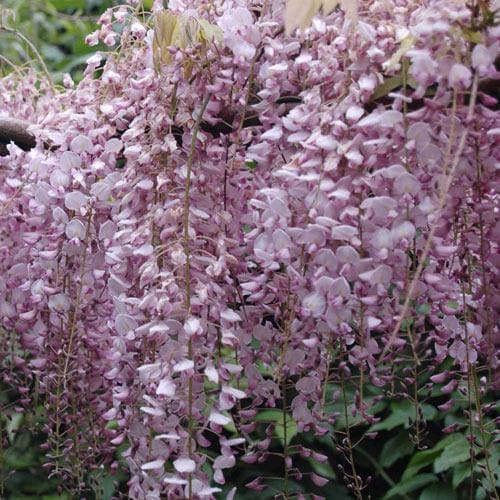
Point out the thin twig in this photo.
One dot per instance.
(33, 49)
(187, 275)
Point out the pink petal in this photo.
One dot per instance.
(184, 465)
(155, 464)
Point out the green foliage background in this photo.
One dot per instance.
(405, 460)
(57, 28)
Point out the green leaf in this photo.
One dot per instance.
(456, 452)
(401, 412)
(471, 35)
(23, 441)
(395, 448)
(210, 32)
(231, 428)
(406, 44)
(19, 459)
(338, 408)
(276, 417)
(63, 5)
(13, 425)
(30, 482)
(423, 309)
(107, 487)
(424, 458)
(112, 424)
(324, 470)
(420, 460)
(251, 165)
(460, 473)
(39, 483)
(52, 53)
(407, 324)
(390, 84)
(410, 485)
(480, 493)
(120, 162)
(437, 492)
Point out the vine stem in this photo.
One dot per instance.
(356, 484)
(472, 388)
(77, 301)
(11, 64)
(484, 445)
(482, 254)
(33, 49)
(442, 201)
(187, 274)
(63, 377)
(282, 375)
(285, 440)
(469, 398)
(228, 170)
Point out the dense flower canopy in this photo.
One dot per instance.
(221, 211)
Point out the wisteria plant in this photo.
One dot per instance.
(257, 236)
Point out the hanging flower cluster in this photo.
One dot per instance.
(222, 218)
